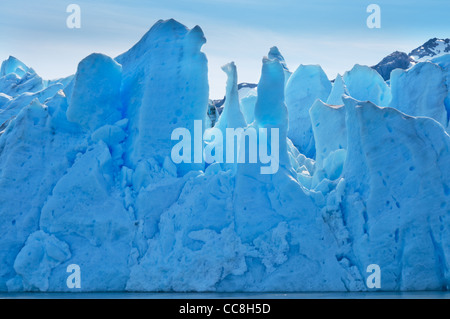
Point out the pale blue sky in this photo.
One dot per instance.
(332, 33)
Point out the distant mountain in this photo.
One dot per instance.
(399, 60)
(396, 60)
(247, 85)
(431, 49)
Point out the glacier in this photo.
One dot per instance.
(307, 84)
(87, 178)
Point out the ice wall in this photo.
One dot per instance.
(304, 87)
(420, 91)
(365, 84)
(89, 106)
(164, 86)
(394, 197)
(86, 177)
(34, 154)
(339, 89)
(328, 120)
(444, 63)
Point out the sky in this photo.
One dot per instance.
(332, 33)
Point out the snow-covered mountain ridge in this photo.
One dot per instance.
(431, 49)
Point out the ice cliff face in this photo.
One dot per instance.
(307, 84)
(364, 83)
(394, 196)
(167, 62)
(421, 91)
(86, 176)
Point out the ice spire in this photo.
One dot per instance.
(231, 116)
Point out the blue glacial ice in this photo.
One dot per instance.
(365, 84)
(87, 178)
(420, 91)
(307, 84)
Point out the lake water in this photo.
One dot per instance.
(332, 295)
